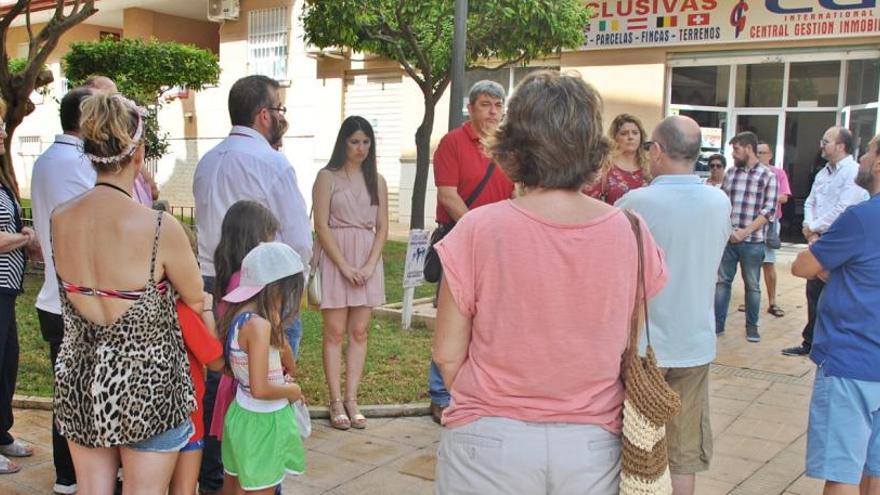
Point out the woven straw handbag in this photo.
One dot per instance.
(649, 403)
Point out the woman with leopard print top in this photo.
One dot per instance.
(122, 383)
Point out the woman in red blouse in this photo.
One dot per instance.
(627, 167)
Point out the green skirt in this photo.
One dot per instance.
(261, 448)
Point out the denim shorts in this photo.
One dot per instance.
(843, 437)
(168, 441)
(196, 445)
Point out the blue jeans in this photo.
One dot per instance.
(750, 255)
(436, 387)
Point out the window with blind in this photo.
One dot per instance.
(268, 36)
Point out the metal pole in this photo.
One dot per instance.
(456, 97)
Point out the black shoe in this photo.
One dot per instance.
(752, 335)
(437, 412)
(800, 350)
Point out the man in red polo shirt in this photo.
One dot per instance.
(460, 163)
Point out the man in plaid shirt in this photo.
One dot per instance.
(752, 189)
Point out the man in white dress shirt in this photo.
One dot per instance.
(60, 174)
(834, 189)
(245, 166)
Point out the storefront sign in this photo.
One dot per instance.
(644, 23)
(711, 138)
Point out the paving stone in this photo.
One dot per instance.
(805, 485)
(736, 392)
(785, 400)
(421, 463)
(709, 486)
(326, 471)
(720, 422)
(796, 417)
(731, 470)
(383, 481)
(295, 486)
(767, 430)
(13, 488)
(407, 432)
(728, 406)
(753, 449)
(365, 449)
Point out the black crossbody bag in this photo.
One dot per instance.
(433, 268)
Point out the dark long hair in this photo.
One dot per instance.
(246, 224)
(289, 289)
(337, 159)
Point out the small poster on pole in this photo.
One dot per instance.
(416, 251)
(413, 272)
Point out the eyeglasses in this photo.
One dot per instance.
(716, 165)
(282, 109)
(646, 146)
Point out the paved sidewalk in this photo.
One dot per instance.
(759, 401)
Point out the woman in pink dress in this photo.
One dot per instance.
(351, 221)
(627, 168)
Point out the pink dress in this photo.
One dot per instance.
(353, 224)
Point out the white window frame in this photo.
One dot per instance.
(268, 43)
(733, 59)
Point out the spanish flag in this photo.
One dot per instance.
(668, 21)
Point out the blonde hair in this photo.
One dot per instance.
(641, 155)
(111, 128)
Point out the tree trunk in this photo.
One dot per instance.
(18, 107)
(423, 162)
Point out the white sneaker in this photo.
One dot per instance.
(64, 489)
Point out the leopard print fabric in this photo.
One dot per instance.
(125, 382)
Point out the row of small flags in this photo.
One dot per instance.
(637, 23)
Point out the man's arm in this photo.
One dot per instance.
(849, 195)
(451, 201)
(809, 208)
(806, 265)
(287, 203)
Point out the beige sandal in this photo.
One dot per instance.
(358, 420)
(338, 417)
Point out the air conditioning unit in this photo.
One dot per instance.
(223, 10)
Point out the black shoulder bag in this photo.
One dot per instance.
(433, 268)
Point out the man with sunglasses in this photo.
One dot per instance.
(682, 326)
(246, 166)
(834, 189)
(752, 190)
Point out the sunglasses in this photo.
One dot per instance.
(646, 146)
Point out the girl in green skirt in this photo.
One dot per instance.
(261, 443)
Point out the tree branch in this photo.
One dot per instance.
(31, 41)
(423, 63)
(4, 30)
(51, 34)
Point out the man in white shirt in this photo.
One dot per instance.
(691, 222)
(60, 174)
(245, 166)
(834, 189)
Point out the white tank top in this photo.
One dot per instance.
(238, 361)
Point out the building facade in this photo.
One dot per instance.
(786, 69)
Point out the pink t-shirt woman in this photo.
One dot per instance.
(550, 306)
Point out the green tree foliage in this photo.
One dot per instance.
(143, 71)
(418, 34)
